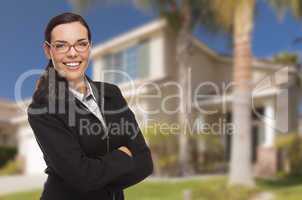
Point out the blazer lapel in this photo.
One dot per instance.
(104, 98)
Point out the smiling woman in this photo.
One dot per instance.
(83, 162)
(69, 60)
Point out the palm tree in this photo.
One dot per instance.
(281, 6)
(240, 15)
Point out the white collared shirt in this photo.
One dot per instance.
(89, 101)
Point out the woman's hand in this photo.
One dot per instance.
(125, 150)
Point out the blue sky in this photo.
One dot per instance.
(23, 23)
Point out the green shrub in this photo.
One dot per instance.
(11, 167)
(163, 144)
(6, 154)
(212, 158)
(290, 150)
(216, 189)
(164, 147)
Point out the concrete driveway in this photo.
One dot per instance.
(20, 183)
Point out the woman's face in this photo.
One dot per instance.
(71, 64)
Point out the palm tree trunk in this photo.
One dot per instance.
(241, 166)
(182, 53)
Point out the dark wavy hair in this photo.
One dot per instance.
(48, 82)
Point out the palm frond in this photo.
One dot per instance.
(296, 7)
(282, 6)
(205, 16)
(168, 9)
(224, 11)
(80, 6)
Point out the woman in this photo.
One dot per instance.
(80, 124)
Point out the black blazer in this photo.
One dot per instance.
(83, 162)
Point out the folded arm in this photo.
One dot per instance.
(142, 160)
(63, 151)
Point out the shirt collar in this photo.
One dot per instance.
(80, 95)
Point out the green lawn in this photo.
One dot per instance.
(286, 188)
(213, 189)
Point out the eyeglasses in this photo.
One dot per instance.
(64, 47)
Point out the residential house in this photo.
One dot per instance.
(143, 64)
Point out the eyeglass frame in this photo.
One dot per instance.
(69, 46)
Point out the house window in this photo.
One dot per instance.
(113, 63)
(128, 64)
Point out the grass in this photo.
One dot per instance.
(212, 189)
(33, 195)
(289, 188)
(161, 190)
(145, 191)
(10, 168)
